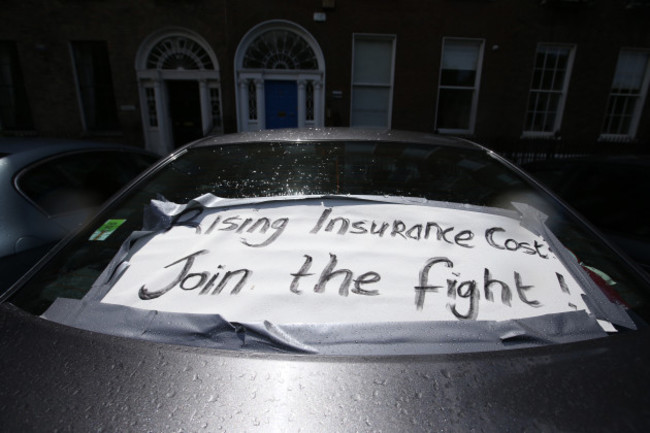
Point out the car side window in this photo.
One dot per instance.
(614, 202)
(79, 180)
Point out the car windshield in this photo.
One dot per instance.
(312, 246)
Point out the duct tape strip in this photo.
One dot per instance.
(390, 338)
(597, 301)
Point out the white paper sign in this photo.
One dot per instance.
(327, 262)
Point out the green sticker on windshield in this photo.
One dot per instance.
(106, 230)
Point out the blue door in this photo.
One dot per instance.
(281, 104)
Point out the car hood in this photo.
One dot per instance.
(59, 378)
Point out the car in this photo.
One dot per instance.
(609, 191)
(329, 280)
(48, 187)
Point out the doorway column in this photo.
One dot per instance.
(164, 134)
(318, 107)
(259, 98)
(243, 104)
(206, 107)
(302, 98)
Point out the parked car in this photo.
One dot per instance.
(609, 191)
(48, 187)
(329, 280)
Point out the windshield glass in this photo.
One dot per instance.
(419, 219)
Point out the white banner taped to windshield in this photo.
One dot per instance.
(329, 261)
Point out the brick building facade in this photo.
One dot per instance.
(522, 76)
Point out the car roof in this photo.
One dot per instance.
(335, 134)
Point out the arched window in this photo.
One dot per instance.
(280, 49)
(178, 52)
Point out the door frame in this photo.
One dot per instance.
(154, 98)
(249, 91)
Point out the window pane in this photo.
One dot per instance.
(550, 67)
(458, 81)
(626, 95)
(252, 100)
(630, 70)
(460, 55)
(458, 77)
(542, 111)
(459, 61)
(620, 110)
(547, 89)
(373, 60)
(80, 180)
(372, 79)
(151, 106)
(370, 106)
(538, 76)
(562, 58)
(280, 49)
(454, 108)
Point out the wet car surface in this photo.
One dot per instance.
(177, 350)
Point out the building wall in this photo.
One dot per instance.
(511, 30)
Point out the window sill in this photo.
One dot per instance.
(102, 134)
(540, 135)
(460, 132)
(18, 133)
(615, 138)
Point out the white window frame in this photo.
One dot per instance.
(388, 85)
(638, 103)
(559, 114)
(476, 87)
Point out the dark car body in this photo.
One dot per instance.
(610, 192)
(115, 368)
(48, 187)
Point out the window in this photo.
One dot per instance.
(215, 107)
(548, 90)
(150, 93)
(309, 101)
(372, 80)
(82, 180)
(95, 85)
(252, 100)
(627, 96)
(179, 53)
(280, 49)
(148, 268)
(460, 74)
(15, 113)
